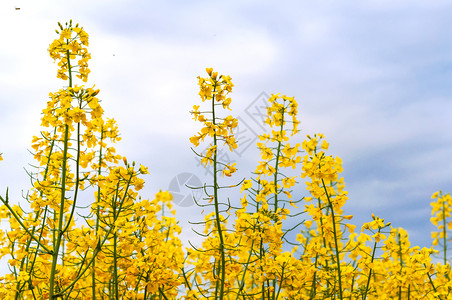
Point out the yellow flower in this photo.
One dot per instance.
(66, 33)
(246, 185)
(194, 140)
(229, 169)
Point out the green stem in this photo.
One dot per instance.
(162, 294)
(278, 153)
(115, 265)
(60, 232)
(444, 232)
(187, 284)
(222, 269)
(280, 285)
(77, 177)
(431, 283)
(370, 271)
(242, 281)
(330, 204)
(401, 261)
(99, 172)
(115, 251)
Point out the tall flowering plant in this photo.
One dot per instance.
(211, 262)
(267, 270)
(442, 219)
(112, 249)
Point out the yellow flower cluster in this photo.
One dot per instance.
(442, 219)
(276, 113)
(216, 90)
(276, 152)
(72, 43)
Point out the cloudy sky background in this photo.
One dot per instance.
(374, 76)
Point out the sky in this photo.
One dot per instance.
(375, 77)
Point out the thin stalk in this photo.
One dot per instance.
(280, 285)
(261, 254)
(56, 247)
(187, 284)
(99, 172)
(77, 177)
(278, 153)
(431, 282)
(222, 269)
(444, 233)
(59, 232)
(115, 251)
(242, 281)
(313, 291)
(330, 204)
(401, 262)
(370, 271)
(162, 293)
(115, 265)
